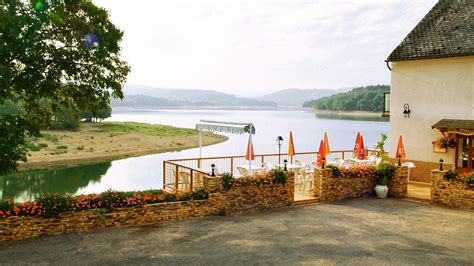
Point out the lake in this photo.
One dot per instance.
(145, 172)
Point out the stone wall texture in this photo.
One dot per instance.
(328, 188)
(452, 194)
(221, 201)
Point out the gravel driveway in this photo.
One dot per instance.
(362, 231)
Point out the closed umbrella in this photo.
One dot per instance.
(321, 154)
(250, 154)
(400, 148)
(359, 147)
(327, 149)
(291, 147)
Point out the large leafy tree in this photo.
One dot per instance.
(65, 52)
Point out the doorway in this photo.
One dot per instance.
(463, 154)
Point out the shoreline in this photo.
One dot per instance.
(342, 113)
(90, 145)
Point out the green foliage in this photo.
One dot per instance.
(369, 98)
(381, 143)
(80, 148)
(227, 180)
(50, 205)
(155, 130)
(101, 213)
(385, 172)
(469, 179)
(66, 118)
(200, 194)
(45, 65)
(451, 175)
(33, 147)
(61, 147)
(278, 176)
(336, 172)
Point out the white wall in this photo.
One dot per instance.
(435, 89)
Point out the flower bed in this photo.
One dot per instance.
(50, 205)
(272, 177)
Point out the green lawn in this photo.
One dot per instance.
(155, 130)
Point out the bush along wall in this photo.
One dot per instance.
(450, 189)
(55, 213)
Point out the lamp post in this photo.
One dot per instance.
(279, 141)
(213, 170)
(323, 162)
(284, 164)
(399, 160)
(441, 161)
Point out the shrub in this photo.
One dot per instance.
(359, 172)
(385, 172)
(336, 172)
(50, 205)
(227, 180)
(272, 177)
(469, 180)
(33, 147)
(61, 147)
(451, 175)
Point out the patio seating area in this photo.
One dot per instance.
(187, 174)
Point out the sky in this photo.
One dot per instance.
(255, 47)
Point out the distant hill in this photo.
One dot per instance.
(369, 98)
(296, 97)
(149, 97)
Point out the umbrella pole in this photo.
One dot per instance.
(200, 144)
(250, 153)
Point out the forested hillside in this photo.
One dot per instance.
(369, 98)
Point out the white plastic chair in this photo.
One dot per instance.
(242, 171)
(351, 162)
(267, 167)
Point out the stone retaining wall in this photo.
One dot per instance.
(328, 188)
(220, 201)
(453, 194)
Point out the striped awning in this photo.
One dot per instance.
(225, 127)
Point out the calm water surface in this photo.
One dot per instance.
(145, 172)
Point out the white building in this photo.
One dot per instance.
(432, 78)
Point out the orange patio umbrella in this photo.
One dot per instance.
(400, 149)
(359, 147)
(327, 149)
(250, 155)
(321, 154)
(291, 147)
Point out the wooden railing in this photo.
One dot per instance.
(187, 174)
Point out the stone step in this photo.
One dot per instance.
(420, 200)
(306, 201)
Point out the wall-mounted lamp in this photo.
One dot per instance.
(406, 110)
(441, 161)
(284, 163)
(213, 170)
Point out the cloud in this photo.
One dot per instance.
(253, 47)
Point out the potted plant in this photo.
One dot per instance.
(470, 180)
(385, 172)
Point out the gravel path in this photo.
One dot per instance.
(362, 232)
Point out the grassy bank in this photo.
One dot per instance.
(96, 142)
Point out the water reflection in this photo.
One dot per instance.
(29, 184)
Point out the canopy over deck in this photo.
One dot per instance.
(455, 126)
(226, 127)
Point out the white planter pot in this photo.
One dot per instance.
(381, 191)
